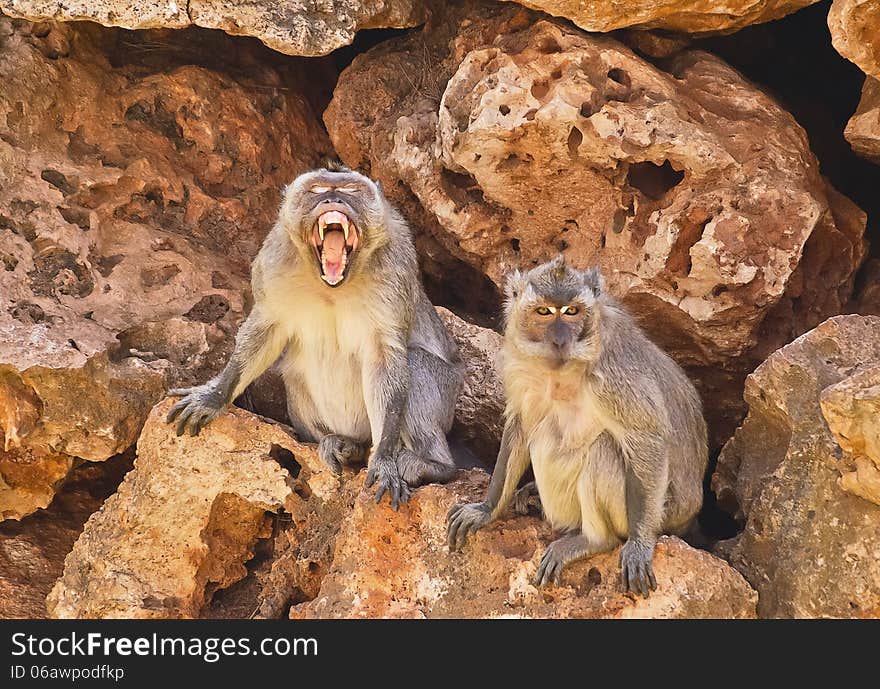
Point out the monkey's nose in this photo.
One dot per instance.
(331, 200)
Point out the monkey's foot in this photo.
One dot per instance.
(561, 552)
(636, 570)
(417, 471)
(383, 472)
(199, 407)
(527, 499)
(337, 451)
(463, 520)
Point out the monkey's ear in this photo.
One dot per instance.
(594, 280)
(515, 284)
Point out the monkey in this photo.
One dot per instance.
(370, 370)
(611, 426)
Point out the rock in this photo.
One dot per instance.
(685, 16)
(295, 28)
(32, 550)
(185, 519)
(854, 26)
(510, 138)
(863, 129)
(802, 473)
(866, 300)
(397, 564)
(133, 194)
(852, 410)
(479, 419)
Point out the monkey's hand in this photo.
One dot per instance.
(636, 571)
(383, 471)
(199, 407)
(463, 520)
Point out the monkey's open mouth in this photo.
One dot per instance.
(335, 239)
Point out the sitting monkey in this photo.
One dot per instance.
(611, 425)
(366, 359)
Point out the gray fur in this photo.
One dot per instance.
(611, 424)
(366, 361)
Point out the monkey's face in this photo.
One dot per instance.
(552, 313)
(336, 220)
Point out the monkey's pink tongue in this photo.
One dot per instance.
(333, 256)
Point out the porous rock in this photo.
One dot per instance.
(509, 138)
(397, 564)
(135, 186)
(185, 519)
(295, 27)
(802, 473)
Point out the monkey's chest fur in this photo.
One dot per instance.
(561, 421)
(325, 367)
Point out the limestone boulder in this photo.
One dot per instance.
(802, 473)
(397, 564)
(863, 129)
(479, 412)
(509, 138)
(685, 16)
(185, 519)
(32, 550)
(135, 186)
(855, 32)
(294, 28)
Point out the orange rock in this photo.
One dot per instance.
(511, 138)
(397, 564)
(802, 471)
(133, 195)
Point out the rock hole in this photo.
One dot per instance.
(540, 89)
(594, 576)
(504, 109)
(602, 240)
(530, 115)
(209, 309)
(556, 74)
(57, 180)
(549, 45)
(152, 277)
(73, 344)
(586, 109)
(106, 264)
(617, 75)
(9, 262)
(75, 215)
(718, 290)
(514, 243)
(654, 181)
(27, 312)
(563, 245)
(286, 459)
(575, 139)
(619, 221)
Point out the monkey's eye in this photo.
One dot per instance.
(570, 310)
(545, 310)
(347, 190)
(320, 190)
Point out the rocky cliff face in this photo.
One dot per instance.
(141, 167)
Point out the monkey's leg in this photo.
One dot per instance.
(386, 381)
(646, 487)
(430, 407)
(513, 460)
(527, 498)
(337, 451)
(257, 346)
(600, 486)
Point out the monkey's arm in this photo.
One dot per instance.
(513, 460)
(644, 446)
(386, 386)
(258, 344)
